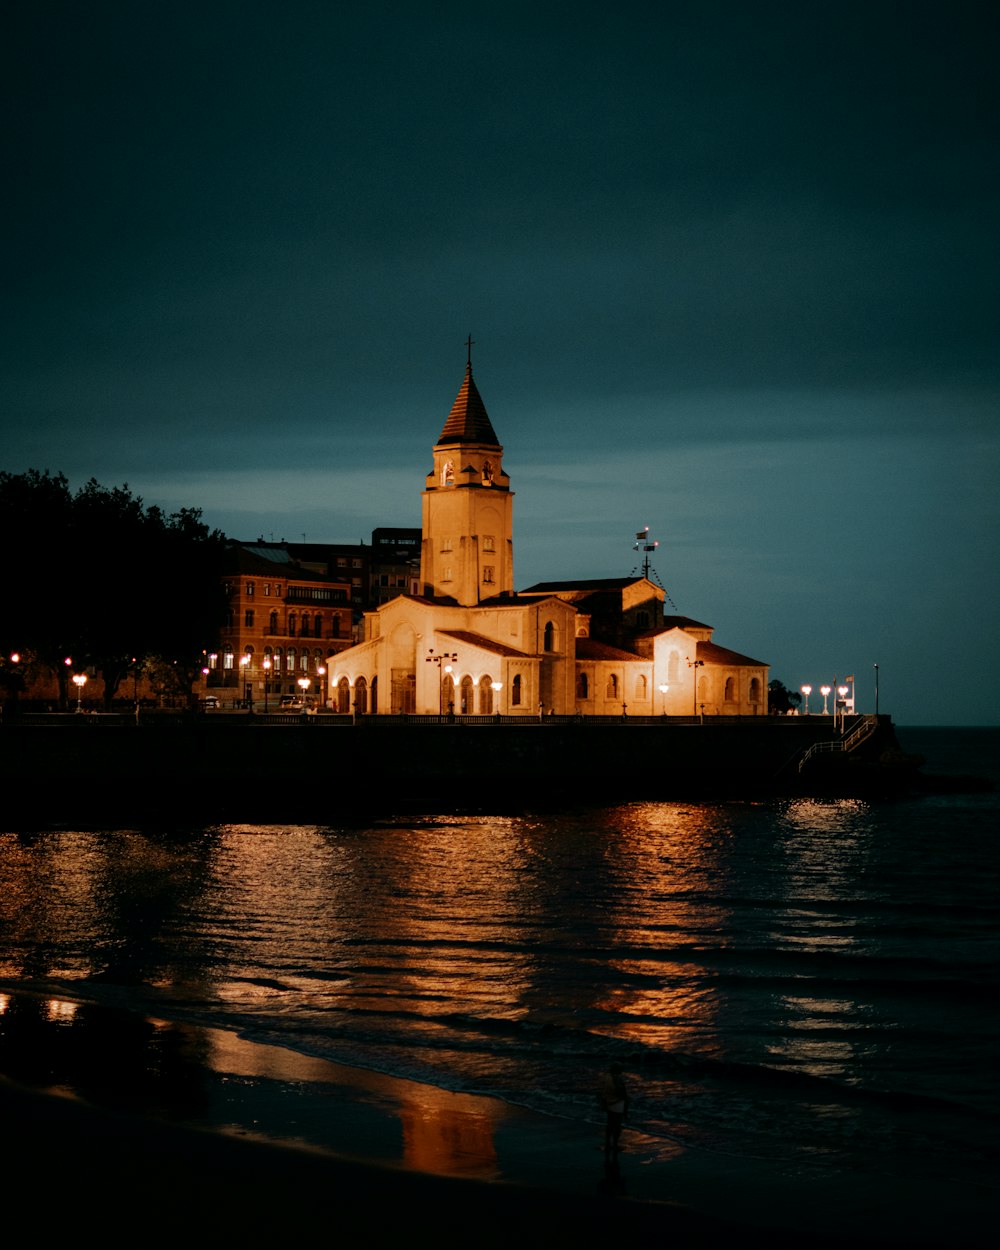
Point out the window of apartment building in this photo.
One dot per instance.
(249, 589)
(355, 564)
(227, 657)
(290, 659)
(267, 590)
(341, 562)
(304, 660)
(305, 626)
(248, 618)
(272, 623)
(293, 621)
(277, 590)
(318, 626)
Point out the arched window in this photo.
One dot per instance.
(374, 695)
(318, 626)
(612, 688)
(272, 623)
(291, 656)
(279, 655)
(640, 686)
(448, 694)
(227, 656)
(730, 692)
(486, 696)
(292, 623)
(754, 689)
(465, 696)
(582, 686)
(549, 636)
(515, 691)
(361, 696)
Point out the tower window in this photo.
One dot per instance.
(488, 573)
(488, 543)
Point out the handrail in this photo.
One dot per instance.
(861, 731)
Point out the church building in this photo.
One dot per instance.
(468, 644)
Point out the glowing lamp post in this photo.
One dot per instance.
(825, 692)
(443, 667)
(663, 691)
(497, 687)
(266, 665)
(806, 692)
(79, 680)
(842, 704)
(245, 666)
(321, 674)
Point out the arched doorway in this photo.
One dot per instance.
(343, 695)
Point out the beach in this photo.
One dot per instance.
(221, 1141)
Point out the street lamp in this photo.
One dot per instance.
(79, 680)
(806, 691)
(497, 687)
(245, 665)
(266, 665)
(842, 704)
(825, 692)
(442, 661)
(663, 691)
(321, 674)
(695, 664)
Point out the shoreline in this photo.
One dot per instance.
(198, 1124)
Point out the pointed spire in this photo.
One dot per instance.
(468, 421)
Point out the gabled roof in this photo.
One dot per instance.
(599, 583)
(591, 649)
(481, 641)
(714, 654)
(468, 421)
(683, 622)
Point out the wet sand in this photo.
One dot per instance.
(151, 1131)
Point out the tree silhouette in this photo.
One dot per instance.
(101, 579)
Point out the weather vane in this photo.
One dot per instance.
(646, 545)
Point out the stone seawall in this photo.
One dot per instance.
(219, 768)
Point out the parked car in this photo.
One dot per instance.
(210, 703)
(297, 703)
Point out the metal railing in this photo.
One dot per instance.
(863, 729)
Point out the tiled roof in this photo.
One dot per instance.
(715, 654)
(682, 622)
(481, 641)
(468, 421)
(591, 649)
(599, 583)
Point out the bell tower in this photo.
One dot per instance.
(467, 552)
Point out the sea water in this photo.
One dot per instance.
(812, 982)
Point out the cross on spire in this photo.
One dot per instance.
(469, 342)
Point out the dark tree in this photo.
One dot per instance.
(101, 579)
(780, 699)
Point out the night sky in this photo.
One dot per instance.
(730, 270)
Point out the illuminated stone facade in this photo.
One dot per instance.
(469, 645)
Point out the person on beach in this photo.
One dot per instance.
(614, 1099)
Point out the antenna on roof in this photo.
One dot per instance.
(645, 544)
